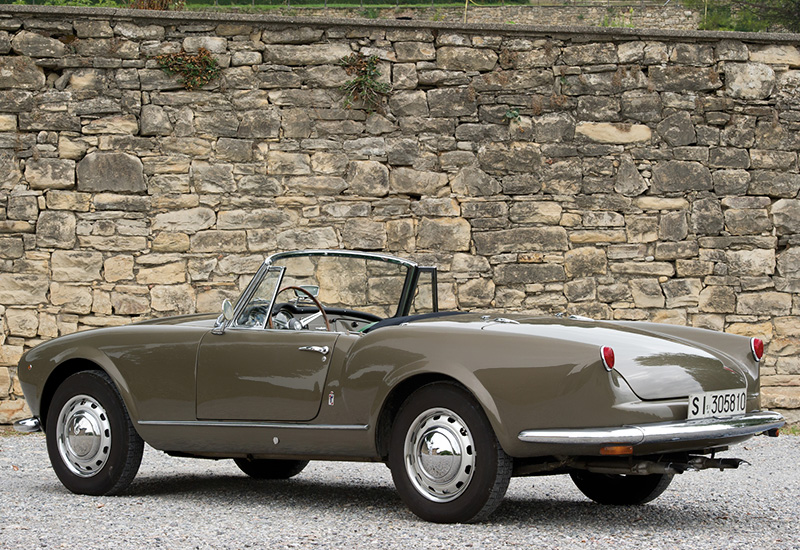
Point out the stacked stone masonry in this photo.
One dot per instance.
(619, 175)
(655, 15)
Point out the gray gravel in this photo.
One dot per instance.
(185, 503)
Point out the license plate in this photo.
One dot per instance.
(717, 403)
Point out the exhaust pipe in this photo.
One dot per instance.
(648, 467)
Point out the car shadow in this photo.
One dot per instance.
(299, 493)
(290, 493)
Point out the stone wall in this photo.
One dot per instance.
(618, 174)
(638, 15)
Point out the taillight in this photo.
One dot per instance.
(757, 347)
(607, 354)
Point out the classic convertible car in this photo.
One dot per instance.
(341, 355)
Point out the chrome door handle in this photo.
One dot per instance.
(319, 349)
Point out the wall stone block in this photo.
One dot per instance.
(451, 234)
(188, 221)
(465, 59)
(450, 102)
(318, 54)
(522, 239)
(786, 216)
(124, 303)
(604, 132)
(71, 298)
(112, 172)
(215, 241)
(774, 54)
(763, 303)
(20, 73)
(73, 265)
(56, 229)
(706, 217)
(511, 274)
(683, 79)
(364, 235)
(319, 237)
(677, 129)
(50, 173)
(21, 322)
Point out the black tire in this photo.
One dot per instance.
(270, 469)
(92, 444)
(621, 489)
(445, 460)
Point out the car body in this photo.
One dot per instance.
(343, 355)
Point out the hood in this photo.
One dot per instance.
(205, 320)
(655, 364)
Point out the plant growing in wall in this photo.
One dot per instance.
(365, 87)
(197, 69)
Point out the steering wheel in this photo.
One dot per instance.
(306, 320)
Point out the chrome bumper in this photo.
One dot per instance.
(29, 425)
(663, 432)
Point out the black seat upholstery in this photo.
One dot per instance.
(393, 321)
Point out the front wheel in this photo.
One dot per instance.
(445, 460)
(621, 489)
(269, 468)
(91, 441)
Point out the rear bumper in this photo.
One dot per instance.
(663, 433)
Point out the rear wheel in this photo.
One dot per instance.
(91, 441)
(270, 469)
(445, 460)
(621, 489)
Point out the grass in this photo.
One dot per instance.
(792, 429)
(8, 431)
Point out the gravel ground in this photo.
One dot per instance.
(184, 503)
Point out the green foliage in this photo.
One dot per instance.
(747, 15)
(365, 87)
(784, 13)
(197, 70)
(611, 19)
(370, 13)
(719, 16)
(512, 114)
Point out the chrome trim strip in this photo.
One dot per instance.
(342, 253)
(28, 425)
(664, 432)
(255, 424)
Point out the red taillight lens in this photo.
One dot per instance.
(607, 354)
(757, 347)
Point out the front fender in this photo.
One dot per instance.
(42, 369)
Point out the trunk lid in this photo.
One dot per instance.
(655, 364)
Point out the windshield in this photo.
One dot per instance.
(355, 283)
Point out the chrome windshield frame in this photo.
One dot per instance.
(404, 303)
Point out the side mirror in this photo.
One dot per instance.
(227, 309)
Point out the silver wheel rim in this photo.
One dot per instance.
(83, 435)
(439, 455)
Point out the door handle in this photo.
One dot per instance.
(319, 349)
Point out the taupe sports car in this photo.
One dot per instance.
(339, 355)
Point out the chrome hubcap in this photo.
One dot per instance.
(439, 454)
(83, 435)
